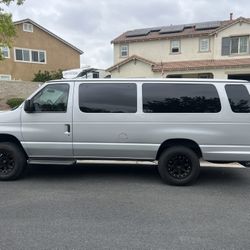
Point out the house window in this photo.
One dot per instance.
(31, 56)
(124, 51)
(5, 77)
(22, 55)
(239, 44)
(38, 56)
(5, 52)
(26, 55)
(234, 45)
(27, 27)
(175, 46)
(96, 75)
(204, 44)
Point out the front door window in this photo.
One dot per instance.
(52, 98)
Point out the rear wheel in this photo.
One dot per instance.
(12, 161)
(179, 165)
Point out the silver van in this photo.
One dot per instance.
(175, 122)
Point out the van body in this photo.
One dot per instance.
(129, 119)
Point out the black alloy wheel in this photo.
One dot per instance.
(7, 162)
(179, 165)
(12, 161)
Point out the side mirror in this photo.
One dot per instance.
(28, 106)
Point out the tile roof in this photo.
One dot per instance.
(185, 30)
(186, 65)
(201, 64)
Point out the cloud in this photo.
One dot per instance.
(91, 25)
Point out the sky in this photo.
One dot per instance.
(90, 25)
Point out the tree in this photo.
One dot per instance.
(7, 28)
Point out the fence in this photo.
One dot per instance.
(12, 89)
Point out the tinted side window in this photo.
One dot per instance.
(180, 98)
(239, 98)
(108, 97)
(52, 98)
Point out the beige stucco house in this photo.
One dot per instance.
(217, 49)
(36, 48)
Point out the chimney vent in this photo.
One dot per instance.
(231, 16)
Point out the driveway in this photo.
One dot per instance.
(124, 207)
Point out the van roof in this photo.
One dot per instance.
(189, 80)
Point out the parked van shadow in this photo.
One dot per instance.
(134, 173)
(224, 176)
(95, 172)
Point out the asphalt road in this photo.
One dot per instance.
(124, 207)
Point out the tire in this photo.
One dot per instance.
(12, 161)
(179, 166)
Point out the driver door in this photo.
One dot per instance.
(47, 130)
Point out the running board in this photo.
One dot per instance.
(125, 162)
(71, 162)
(51, 162)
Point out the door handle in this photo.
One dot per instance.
(67, 129)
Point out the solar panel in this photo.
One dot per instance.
(207, 25)
(156, 29)
(138, 32)
(172, 29)
(190, 25)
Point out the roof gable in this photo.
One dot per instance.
(49, 32)
(232, 23)
(131, 58)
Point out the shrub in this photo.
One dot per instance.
(56, 74)
(47, 76)
(14, 102)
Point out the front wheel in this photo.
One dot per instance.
(179, 166)
(12, 161)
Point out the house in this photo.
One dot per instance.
(214, 49)
(36, 48)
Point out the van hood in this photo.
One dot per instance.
(10, 116)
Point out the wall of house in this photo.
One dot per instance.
(133, 69)
(159, 50)
(59, 55)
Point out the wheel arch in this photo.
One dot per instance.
(179, 142)
(13, 139)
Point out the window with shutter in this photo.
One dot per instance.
(225, 48)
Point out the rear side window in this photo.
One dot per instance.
(108, 98)
(180, 98)
(239, 98)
